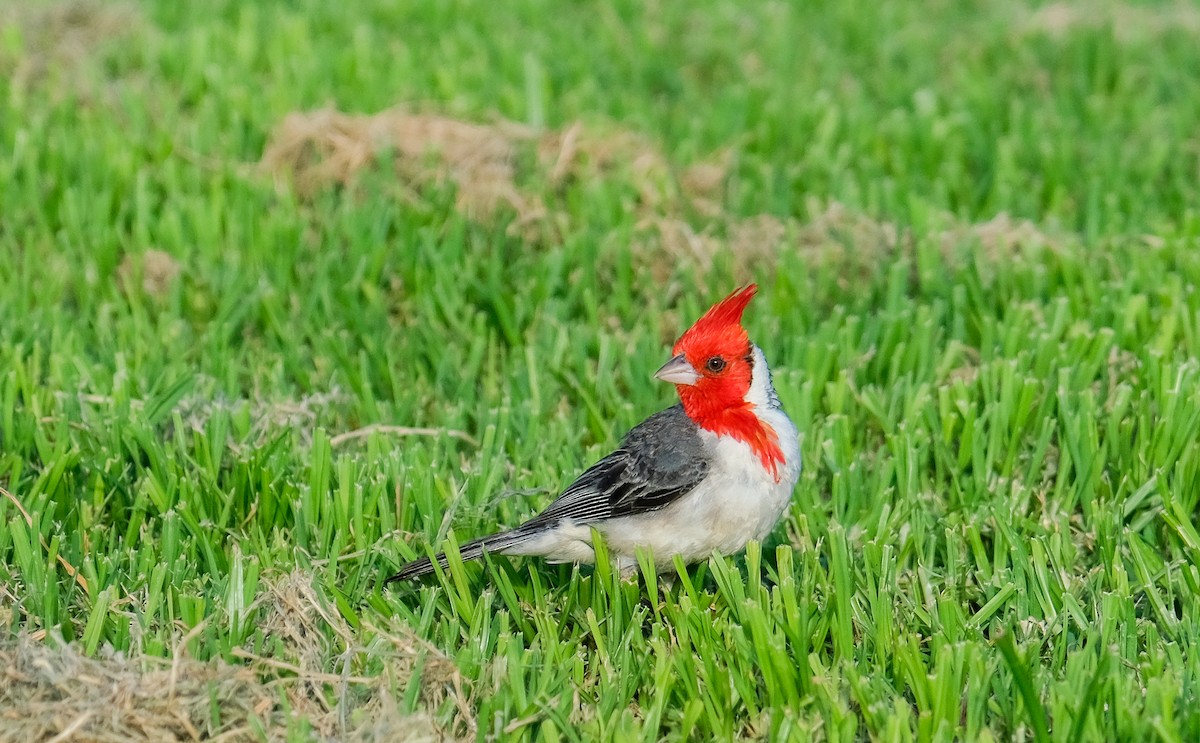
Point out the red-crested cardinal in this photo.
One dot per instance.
(706, 475)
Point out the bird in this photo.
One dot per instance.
(704, 476)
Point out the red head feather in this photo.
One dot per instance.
(723, 320)
(717, 400)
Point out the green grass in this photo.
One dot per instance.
(993, 538)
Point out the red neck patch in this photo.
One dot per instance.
(739, 423)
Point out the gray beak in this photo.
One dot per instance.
(677, 371)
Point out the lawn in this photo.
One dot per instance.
(294, 291)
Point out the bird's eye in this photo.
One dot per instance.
(715, 364)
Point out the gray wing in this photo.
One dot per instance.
(658, 461)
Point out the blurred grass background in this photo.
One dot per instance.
(235, 235)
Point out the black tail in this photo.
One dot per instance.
(472, 550)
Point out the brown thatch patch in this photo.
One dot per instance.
(703, 184)
(997, 239)
(847, 236)
(324, 659)
(325, 147)
(1128, 22)
(579, 153)
(579, 150)
(680, 211)
(829, 234)
(268, 417)
(504, 171)
(154, 270)
(50, 691)
(490, 165)
(63, 36)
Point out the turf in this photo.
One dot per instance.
(295, 290)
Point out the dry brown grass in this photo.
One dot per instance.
(1129, 22)
(491, 166)
(268, 417)
(154, 271)
(61, 36)
(324, 147)
(52, 692)
(337, 682)
(504, 171)
(999, 238)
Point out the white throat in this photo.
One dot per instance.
(762, 392)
